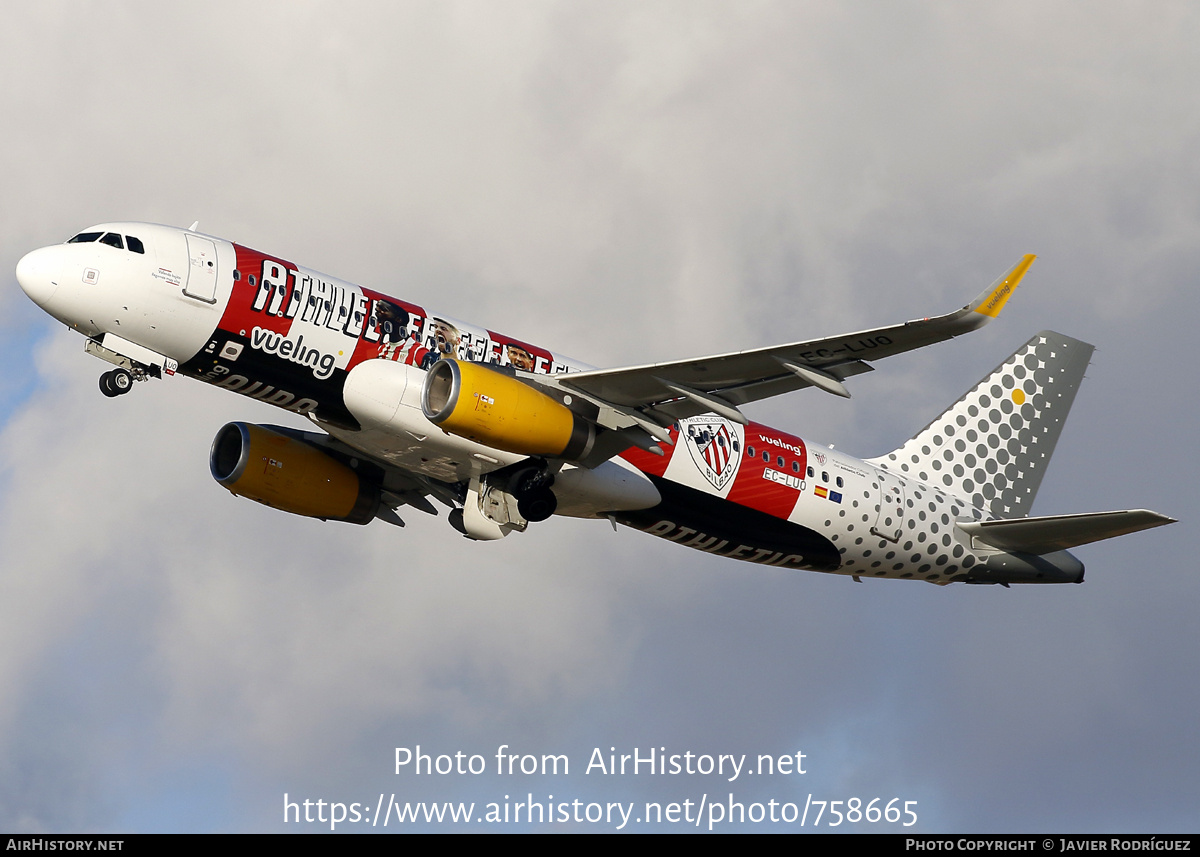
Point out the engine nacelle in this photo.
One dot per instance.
(489, 407)
(288, 474)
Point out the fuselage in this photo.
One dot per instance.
(264, 327)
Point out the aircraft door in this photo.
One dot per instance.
(889, 522)
(202, 269)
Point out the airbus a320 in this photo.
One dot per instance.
(411, 406)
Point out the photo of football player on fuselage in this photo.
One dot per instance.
(519, 358)
(394, 341)
(444, 339)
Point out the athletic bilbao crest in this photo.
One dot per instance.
(715, 445)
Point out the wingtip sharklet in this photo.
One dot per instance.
(992, 301)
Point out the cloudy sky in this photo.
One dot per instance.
(620, 182)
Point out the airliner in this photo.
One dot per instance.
(409, 406)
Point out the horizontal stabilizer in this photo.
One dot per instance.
(1059, 532)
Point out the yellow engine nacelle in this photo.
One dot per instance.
(291, 475)
(474, 401)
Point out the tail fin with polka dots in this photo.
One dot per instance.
(992, 446)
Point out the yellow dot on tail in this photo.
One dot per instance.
(1019, 396)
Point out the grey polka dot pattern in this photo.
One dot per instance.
(991, 447)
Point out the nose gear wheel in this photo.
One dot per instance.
(118, 382)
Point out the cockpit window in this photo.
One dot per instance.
(134, 244)
(84, 238)
(112, 239)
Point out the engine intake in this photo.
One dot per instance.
(474, 401)
(289, 474)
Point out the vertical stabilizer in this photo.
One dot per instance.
(992, 446)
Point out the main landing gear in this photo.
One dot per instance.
(531, 487)
(118, 382)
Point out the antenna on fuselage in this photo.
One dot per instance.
(192, 228)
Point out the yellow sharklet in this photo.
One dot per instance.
(1002, 289)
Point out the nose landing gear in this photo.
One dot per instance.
(118, 382)
(133, 362)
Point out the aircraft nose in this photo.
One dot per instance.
(38, 273)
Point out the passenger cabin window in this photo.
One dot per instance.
(134, 244)
(112, 239)
(84, 238)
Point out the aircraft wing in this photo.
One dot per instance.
(655, 395)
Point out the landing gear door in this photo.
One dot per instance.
(202, 269)
(889, 522)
